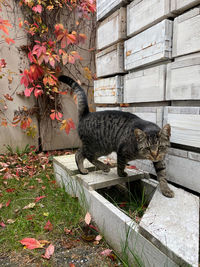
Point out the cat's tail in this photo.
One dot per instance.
(83, 108)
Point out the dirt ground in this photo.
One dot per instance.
(73, 253)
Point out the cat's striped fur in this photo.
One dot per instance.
(122, 132)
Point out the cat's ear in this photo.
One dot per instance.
(166, 131)
(139, 134)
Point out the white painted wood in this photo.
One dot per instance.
(150, 46)
(146, 85)
(105, 7)
(142, 14)
(168, 223)
(185, 125)
(183, 79)
(110, 61)
(186, 37)
(109, 90)
(178, 6)
(112, 29)
(153, 114)
(184, 171)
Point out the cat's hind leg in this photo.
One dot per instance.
(79, 157)
(97, 163)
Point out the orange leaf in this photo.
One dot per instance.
(49, 252)
(31, 243)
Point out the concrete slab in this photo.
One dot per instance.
(172, 225)
(68, 163)
(99, 179)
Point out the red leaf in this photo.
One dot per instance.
(8, 203)
(10, 190)
(28, 91)
(71, 123)
(88, 218)
(38, 92)
(53, 115)
(37, 8)
(8, 97)
(48, 226)
(72, 265)
(31, 243)
(49, 252)
(2, 224)
(38, 198)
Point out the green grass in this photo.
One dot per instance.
(131, 200)
(31, 176)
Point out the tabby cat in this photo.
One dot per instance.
(122, 132)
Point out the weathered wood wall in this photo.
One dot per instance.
(51, 136)
(160, 80)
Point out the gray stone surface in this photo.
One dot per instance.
(173, 225)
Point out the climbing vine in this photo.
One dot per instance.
(54, 31)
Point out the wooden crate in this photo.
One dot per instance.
(142, 14)
(150, 46)
(109, 90)
(112, 29)
(178, 6)
(153, 114)
(185, 125)
(105, 7)
(147, 85)
(186, 37)
(183, 78)
(110, 61)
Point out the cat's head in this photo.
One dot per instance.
(153, 146)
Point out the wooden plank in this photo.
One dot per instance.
(150, 46)
(185, 125)
(180, 88)
(105, 7)
(109, 90)
(168, 223)
(110, 61)
(186, 37)
(142, 14)
(178, 6)
(146, 85)
(112, 29)
(153, 114)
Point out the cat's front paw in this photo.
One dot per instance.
(122, 174)
(83, 171)
(166, 191)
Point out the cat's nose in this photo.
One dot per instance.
(154, 153)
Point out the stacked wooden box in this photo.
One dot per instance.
(148, 59)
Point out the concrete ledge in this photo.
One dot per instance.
(126, 236)
(172, 225)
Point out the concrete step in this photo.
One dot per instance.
(172, 225)
(95, 179)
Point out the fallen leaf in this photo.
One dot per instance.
(49, 252)
(31, 243)
(38, 198)
(10, 221)
(1, 205)
(106, 252)
(2, 224)
(29, 206)
(98, 237)
(72, 265)
(88, 218)
(67, 231)
(46, 214)
(48, 226)
(8, 203)
(10, 190)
